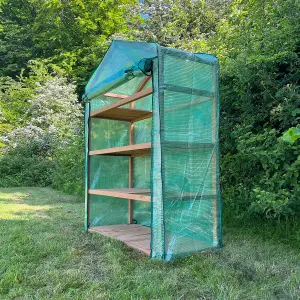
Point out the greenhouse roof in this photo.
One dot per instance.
(121, 62)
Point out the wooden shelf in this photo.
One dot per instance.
(133, 235)
(114, 112)
(144, 195)
(124, 114)
(130, 193)
(131, 150)
(145, 149)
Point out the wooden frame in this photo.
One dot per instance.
(127, 100)
(144, 194)
(118, 96)
(131, 142)
(177, 173)
(133, 235)
(124, 114)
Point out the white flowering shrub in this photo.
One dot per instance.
(54, 115)
(56, 104)
(40, 151)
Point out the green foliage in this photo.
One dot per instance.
(15, 95)
(173, 22)
(29, 163)
(257, 43)
(69, 166)
(262, 175)
(46, 148)
(292, 135)
(69, 33)
(40, 117)
(259, 51)
(19, 170)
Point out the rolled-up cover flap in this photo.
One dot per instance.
(120, 64)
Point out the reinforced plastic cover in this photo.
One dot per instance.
(182, 172)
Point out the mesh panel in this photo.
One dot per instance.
(108, 210)
(187, 95)
(103, 169)
(108, 134)
(141, 172)
(121, 56)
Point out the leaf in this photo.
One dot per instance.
(291, 135)
(295, 112)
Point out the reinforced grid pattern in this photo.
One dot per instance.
(111, 172)
(185, 113)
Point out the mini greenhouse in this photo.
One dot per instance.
(152, 149)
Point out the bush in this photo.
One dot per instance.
(262, 176)
(68, 174)
(47, 150)
(18, 170)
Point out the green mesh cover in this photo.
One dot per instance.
(112, 172)
(183, 169)
(122, 55)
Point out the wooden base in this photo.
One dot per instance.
(133, 235)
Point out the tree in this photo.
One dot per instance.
(72, 34)
(258, 47)
(49, 140)
(15, 95)
(175, 23)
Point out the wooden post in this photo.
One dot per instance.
(131, 142)
(143, 83)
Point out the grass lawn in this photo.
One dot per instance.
(45, 254)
